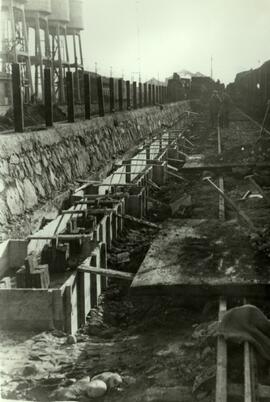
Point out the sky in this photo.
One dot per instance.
(159, 37)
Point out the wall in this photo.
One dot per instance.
(35, 166)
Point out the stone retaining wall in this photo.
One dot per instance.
(34, 166)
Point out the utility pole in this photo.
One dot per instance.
(212, 67)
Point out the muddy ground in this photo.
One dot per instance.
(164, 348)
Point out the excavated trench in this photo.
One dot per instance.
(163, 347)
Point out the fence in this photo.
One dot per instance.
(97, 95)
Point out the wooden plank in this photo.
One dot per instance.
(61, 237)
(140, 221)
(172, 168)
(71, 212)
(58, 309)
(176, 176)
(30, 309)
(12, 254)
(81, 298)
(249, 373)
(17, 252)
(152, 184)
(53, 228)
(221, 378)
(4, 257)
(199, 166)
(110, 273)
(18, 111)
(68, 308)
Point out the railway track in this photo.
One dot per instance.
(250, 375)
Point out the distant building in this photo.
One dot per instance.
(178, 88)
(154, 81)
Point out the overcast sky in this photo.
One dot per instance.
(158, 37)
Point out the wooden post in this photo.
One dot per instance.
(145, 100)
(120, 94)
(153, 95)
(163, 94)
(149, 94)
(112, 99)
(48, 97)
(100, 96)
(17, 98)
(140, 95)
(60, 66)
(128, 170)
(87, 96)
(128, 94)
(134, 94)
(70, 97)
(39, 54)
(148, 152)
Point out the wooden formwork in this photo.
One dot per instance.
(72, 295)
(66, 304)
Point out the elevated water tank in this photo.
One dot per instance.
(76, 15)
(42, 6)
(60, 11)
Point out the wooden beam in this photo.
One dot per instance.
(70, 97)
(112, 95)
(176, 176)
(120, 94)
(48, 97)
(74, 212)
(87, 96)
(141, 221)
(101, 107)
(192, 166)
(221, 378)
(110, 273)
(60, 237)
(17, 98)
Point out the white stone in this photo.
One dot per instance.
(14, 202)
(2, 185)
(14, 159)
(30, 196)
(112, 380)
(4, 167)
(3, 212)
(71, 339)
(39, 188)
(20, 188)
(96, 389)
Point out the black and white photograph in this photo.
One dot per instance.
(135, 200)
